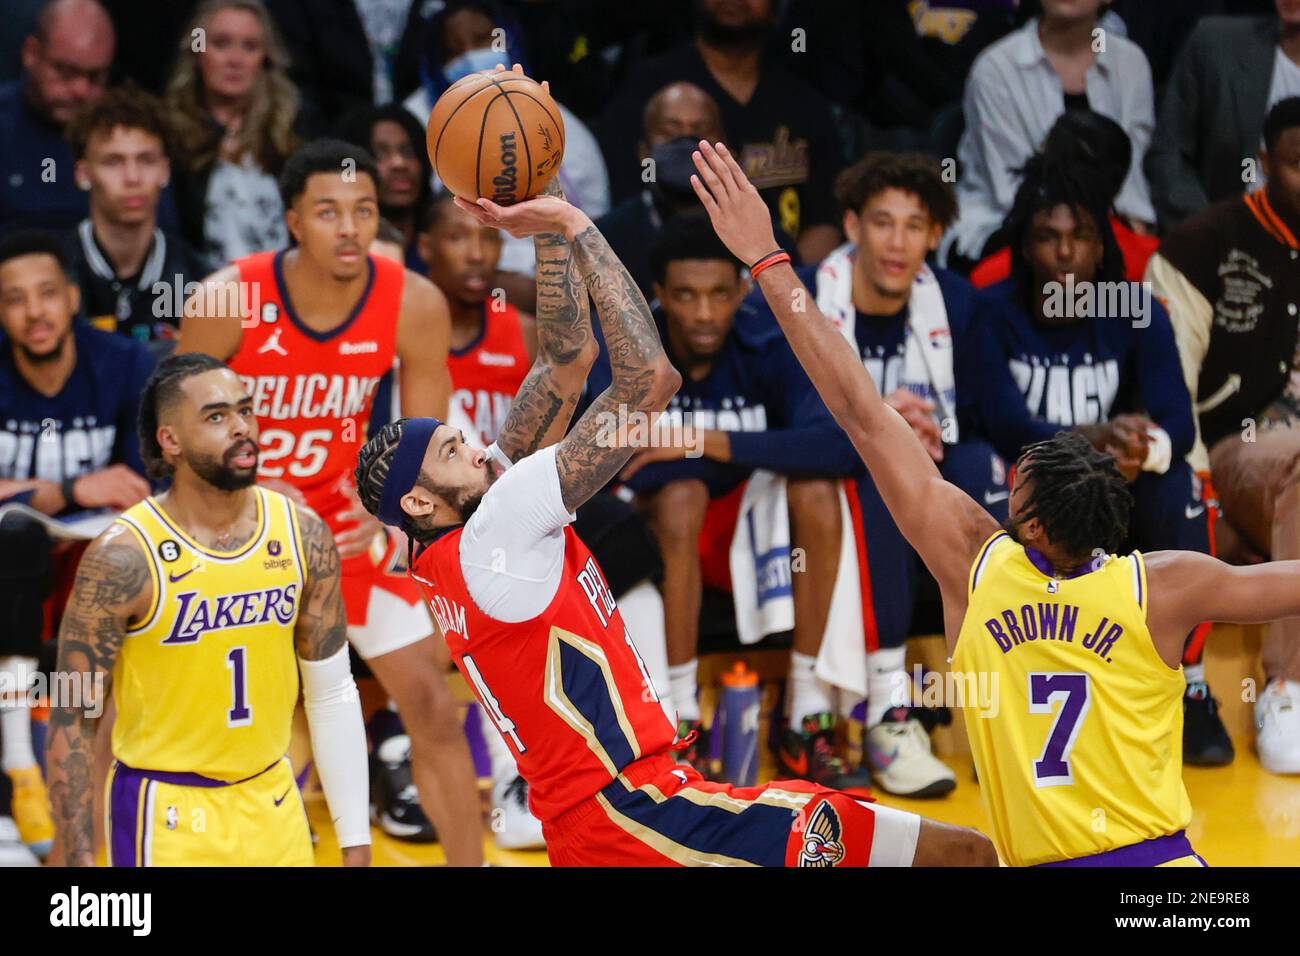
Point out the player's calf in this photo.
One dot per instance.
(944, 844)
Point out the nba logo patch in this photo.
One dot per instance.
(273, 548)
(1052, 587)
(173, 818)
(821, 838)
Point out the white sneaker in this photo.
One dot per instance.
(1277, 718)
(898, 752)
(513, 826)
(13, 852)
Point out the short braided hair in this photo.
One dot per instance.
(163, 388)
(1078, 494)
(373, 463)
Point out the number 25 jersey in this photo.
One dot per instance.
(1075, 721)
(312, 390)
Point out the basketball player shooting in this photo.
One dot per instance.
(189, 609)
(1082, 648)
(530, 621)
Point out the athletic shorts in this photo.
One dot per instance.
(183, 819)
(384, 607)
(659, 813)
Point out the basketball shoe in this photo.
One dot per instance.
(809, 754)
(513, 825)
(1205, 740)
(1277, 718)
(394, 801)
(898, 752)
(692, 748)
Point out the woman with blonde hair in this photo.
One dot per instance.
(236, 117)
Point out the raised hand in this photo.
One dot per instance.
(739, 215)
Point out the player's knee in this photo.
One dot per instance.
(678, 511)
(432, 715)
(944, 844)
(814, 506)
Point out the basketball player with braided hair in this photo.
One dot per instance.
(198, 610)
(1079, 648)
(530, 620)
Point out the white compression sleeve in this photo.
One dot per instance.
(338, 744)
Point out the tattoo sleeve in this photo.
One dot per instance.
(590, 455)
(322, 627)
(113, 580)
(546, 400)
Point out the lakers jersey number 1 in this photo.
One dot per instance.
(1077, 730)
(207, 680)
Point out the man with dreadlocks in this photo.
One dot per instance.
(1067, 342)
(1079, 647)
(532, 624)
(198, 610)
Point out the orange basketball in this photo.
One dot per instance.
(498, 135)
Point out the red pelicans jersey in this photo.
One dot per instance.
(312, 390)
(567, 689)
(486, 375)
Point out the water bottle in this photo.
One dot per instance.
(739, 718)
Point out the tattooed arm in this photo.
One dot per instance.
(643, 380)
(338, 734)
(565, 350)
(113, 586)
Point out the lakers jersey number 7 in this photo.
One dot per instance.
(207, 680)
(1077, 725)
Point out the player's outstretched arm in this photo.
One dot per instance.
(1188, 587)
(113, 585)
(944, 525)
(643, 380)
(211, 322)
(338, 733)
(566, 349)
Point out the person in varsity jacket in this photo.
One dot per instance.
(1066, 343)
(311, 330)
(750, 406)
(1230, 277)
(493, 345)
(69, 395)
(906, 321)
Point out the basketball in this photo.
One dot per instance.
(497, 135)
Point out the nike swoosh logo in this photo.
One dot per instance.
(1191, 512)
(992, 498)
(280, 799)
(173, 578)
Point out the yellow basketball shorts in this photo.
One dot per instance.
(156, 818)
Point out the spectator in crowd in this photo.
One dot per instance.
(1067, 343)
(1016, 90)
(234, 109)
(1230, 73)
(66, 63)
(132, 273)
(470, 35)
(779, 127)
(69, 395)
(342, 51)
(396, 140)
(907, 322)
(676, 119)
(744, 404)
(1092, 138)
(1231, 278)
(1161, 27)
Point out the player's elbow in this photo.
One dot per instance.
(664, 383)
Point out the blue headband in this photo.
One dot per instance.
(405, 469)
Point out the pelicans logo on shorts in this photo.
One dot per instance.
(821, 838)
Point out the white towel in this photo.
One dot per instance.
(927, 356)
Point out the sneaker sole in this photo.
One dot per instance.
(1218, 758)
(937, 788)
(405, 831)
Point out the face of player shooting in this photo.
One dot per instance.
(462, 255)
(209, 433)
(69, 67)
(893, 231)
(399, 166)
(699, 298)
(126, 171)
(1062, 242)
(335, 220)
(37, 304)
(1282, 167)
(234, 54)
(453, 480)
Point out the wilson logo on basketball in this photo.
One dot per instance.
(507, 182)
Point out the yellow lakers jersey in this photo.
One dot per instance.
(206, 682)
(1077, 724)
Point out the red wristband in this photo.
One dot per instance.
(768, 261)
